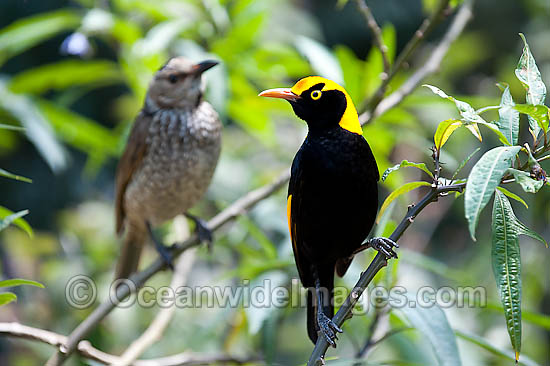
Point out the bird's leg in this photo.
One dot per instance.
(326, 326)
(202, 230)
(161, 249)
(383, 245)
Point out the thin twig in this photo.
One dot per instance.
(236, 209)
(377, 32)
(86, 350)
(429, 67)
(161, 321)
(379, 262)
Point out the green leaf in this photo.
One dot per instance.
(512, 196)
(4, 173)
(405, 163)
(64, 74)
(538, 113)
(6, 298)
(477, 340)
(26, 33)
(444, 130)
(524, 179)
(508, 122)
(506, 261)
(398, 192)
(321, 59)
(529, 75)
(469, 116)
(483, 180)
(37, 129)
(16, 220)
(464, 162)
(433, 324)
(18, 282)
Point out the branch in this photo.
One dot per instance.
(236, 209)
(377, 32)
(428, 68)
(161, 321)
(85, 349)
(426, 28)
(376, 265)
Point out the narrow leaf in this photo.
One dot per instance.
(506, 261)
(21, 223)
(474, 129)
(483, 180)
(433, 324)
(464, 162)
(481, 342)
(398, 192)
(529, 75)
(405, 163)
(6, 298)
(508, 122)
(4, 173)
(11, 127)
(512, 195)
(18, 282)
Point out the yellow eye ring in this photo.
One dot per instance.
(316, 94)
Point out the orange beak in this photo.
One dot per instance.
(282, 93)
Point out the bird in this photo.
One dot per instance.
(332, 198)
(168, 162)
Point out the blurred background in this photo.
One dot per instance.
(74, 74)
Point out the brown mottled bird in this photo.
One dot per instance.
(170, 157)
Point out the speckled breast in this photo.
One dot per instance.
(183, 147)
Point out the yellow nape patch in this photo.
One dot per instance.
(288, 207)
(350, 119)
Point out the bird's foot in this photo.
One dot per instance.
(328, 328)
(384, 245)
(164, 252)
(203, 232)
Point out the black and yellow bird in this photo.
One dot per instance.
(332, 194)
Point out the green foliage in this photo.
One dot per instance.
(398, 192)
(7, 297)
(404, 163)
(529, 75)
(484, 179)
(433, 324)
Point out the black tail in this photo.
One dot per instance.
(326, 280)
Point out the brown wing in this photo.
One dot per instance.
(136, 148)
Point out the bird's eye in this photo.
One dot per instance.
(173, 78)
(316, 94)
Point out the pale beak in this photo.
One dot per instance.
(282, 93)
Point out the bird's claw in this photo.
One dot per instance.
(328, 328)
(385, 246)
(203, 232)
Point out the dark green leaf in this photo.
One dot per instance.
(537, 113)
(506, 261)
(483, 180)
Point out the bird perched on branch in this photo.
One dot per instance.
(169, 159)
(332, 195)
